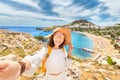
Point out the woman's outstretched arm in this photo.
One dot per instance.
(11, 70)
(32, 62)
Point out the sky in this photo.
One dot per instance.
(46, 13)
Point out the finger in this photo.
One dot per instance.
(1, 73)
(71, 46)
(2, 65)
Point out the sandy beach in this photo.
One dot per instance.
(101, 45)
(92, 70)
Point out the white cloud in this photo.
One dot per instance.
(68, 11)
(25, 16)
(66, 14)
(113, 7)
(76, 11)
(24, 21)
(28, 2)
(6, 9)
(95, 13)
(95, 17)
(65, 8)
(61, 2)
(105, 23)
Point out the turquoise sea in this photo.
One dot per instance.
(78, 40)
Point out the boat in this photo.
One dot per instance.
(88, 50)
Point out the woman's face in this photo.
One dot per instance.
(58, 38)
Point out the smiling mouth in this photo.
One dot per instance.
(57, 42)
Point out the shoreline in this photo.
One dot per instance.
(101, 45)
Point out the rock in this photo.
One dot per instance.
(3, 47)
(39, 77)
(97, 56)
(106, 78)
(73, 72)
(116, 58)
(9, 57)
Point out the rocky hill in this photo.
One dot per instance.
(17, 43)
(82, 21)
(82, 24)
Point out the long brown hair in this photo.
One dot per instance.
(51, 42)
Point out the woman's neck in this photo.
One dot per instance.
(56, 47)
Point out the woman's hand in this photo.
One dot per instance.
(9, 70)
(71, 47)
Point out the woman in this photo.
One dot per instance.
(55, 63)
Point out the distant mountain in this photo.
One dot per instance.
(118, 24)
(75, 24)
(80, 21)
(82, 24)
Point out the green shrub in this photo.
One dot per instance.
(110, 61)
(115, 45)
(5, 52)
(76, 59)
(41, 38)
(19, 51)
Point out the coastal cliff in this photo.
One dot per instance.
(18, 43)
